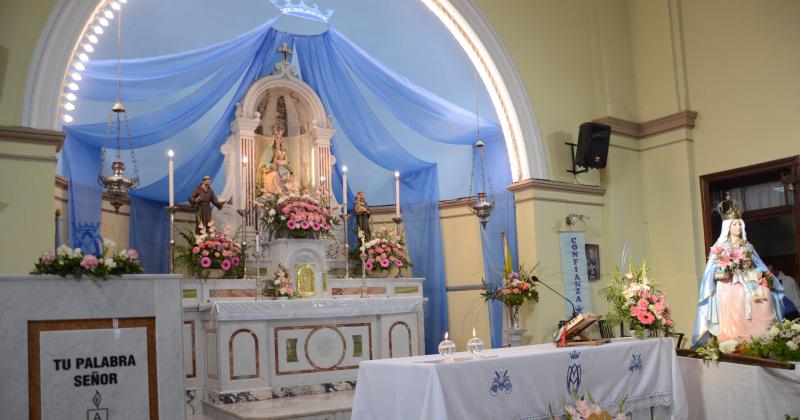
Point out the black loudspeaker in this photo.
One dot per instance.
(593, 142)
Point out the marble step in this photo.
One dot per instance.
(328, 406)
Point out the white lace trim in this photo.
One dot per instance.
(635, 404)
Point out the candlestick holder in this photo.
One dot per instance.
(244, 212)
(345, 218)
(475, 346)
(171, 210)
(364, 289)
(257, 255)
(447, 349)
(397, 221)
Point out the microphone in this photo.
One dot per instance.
(574, 312)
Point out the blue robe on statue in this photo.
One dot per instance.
(707, 320)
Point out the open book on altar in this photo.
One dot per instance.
(571, 333)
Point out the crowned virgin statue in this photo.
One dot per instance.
(737, 299)
(271, 177)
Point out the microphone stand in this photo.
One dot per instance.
(574, 312)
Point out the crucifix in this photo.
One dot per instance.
(285, 50)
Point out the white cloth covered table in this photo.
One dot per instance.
(734, 391)
(521, 382)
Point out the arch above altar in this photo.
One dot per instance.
(277, 105)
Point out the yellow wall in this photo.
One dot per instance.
(27, 172)
(550, 209)
(21, 22)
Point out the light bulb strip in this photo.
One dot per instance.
(84, 45)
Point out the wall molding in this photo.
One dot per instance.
(32, 135)
(547, 185)
(683, 119)
(30, 158)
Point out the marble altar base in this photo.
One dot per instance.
(248, 350)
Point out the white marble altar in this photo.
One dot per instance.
(246, 350)
(46, 317)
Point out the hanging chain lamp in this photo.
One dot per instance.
(117, 186)
(478, 203)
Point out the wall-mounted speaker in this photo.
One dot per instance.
(593, 142)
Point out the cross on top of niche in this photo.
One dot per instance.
(286, 51)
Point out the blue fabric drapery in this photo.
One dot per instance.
(149, 227)
(331, 64)
(324, 71)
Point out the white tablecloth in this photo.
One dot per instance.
(521, 382)
(733, 391)
(239, 310)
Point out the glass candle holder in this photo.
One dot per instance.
(447, 348)
(475, 346)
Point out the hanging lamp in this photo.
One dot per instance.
(117, 186)
(478, 203)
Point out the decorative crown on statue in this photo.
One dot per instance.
(302, 10)
(729, 208)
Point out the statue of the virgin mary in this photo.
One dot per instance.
(723, 309)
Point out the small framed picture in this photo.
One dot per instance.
(593, 261)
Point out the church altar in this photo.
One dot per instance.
(524, 382)
(239, 349)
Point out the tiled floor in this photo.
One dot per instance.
(332, 405)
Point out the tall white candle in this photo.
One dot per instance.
(171, 154)
(396, 194)
(244, 183)
(344, 188)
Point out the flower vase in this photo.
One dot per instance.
(215, 273)
(513, 316)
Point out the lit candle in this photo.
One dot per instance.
(244, 183)
(171, 171)
(397, 194)
(473, 332)
(322, 185)
(258, 243)
(344, 188)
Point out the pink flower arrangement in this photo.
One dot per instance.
(585, 409)
(296, 216)
(636, 301)
(210, 250)
(383, 252)
(517, 288)
(89, 262)
(74, 262)
(728, 259)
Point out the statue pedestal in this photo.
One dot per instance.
(305, 261)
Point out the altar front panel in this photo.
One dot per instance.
(253, 350)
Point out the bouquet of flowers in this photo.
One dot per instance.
(211, 250)
(296, 216)
(635, 300)
(585, 409)
(728, 259)
(68, 261)
(517, 288)
(384, 252)
(281, 286)
(780, 342)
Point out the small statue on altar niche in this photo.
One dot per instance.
(361, 210)
(201, 199)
